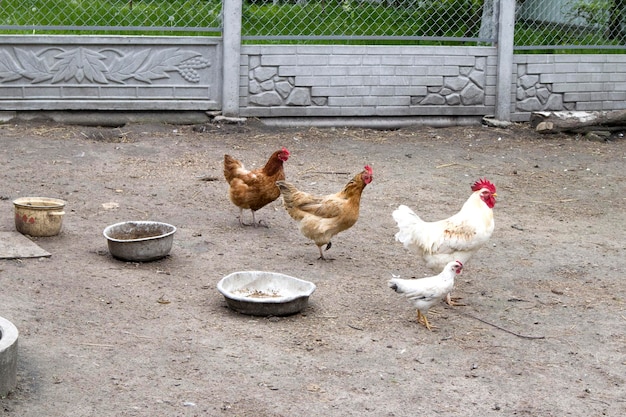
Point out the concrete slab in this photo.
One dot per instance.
(15, 245)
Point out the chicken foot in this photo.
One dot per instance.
(452, 301)
(254, 222)
(421, 319)
(322, 257)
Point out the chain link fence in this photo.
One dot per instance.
(540, 24)
(355, 21)
(571, 24)
(200, 17)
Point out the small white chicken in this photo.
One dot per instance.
(423, 293)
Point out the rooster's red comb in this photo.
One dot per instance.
(460, 263)
(484, 183)
(368, 169)
(285, 151)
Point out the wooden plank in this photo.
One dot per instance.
(15, 245)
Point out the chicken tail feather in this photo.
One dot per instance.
(393, 285)
(407, 222)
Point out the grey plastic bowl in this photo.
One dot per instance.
(140, 241)
(261, 293)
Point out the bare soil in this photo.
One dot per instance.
(543, 332)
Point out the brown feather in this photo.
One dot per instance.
(253, 189)
(322, 217)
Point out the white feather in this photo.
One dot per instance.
(455, 238)
(423, 293)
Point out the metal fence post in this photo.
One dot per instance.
(504, 46)
(231, 13)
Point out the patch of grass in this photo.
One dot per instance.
(191, 15)
(541, 34)
(392, 22)
(350, 18)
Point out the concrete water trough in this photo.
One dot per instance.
(8, 356)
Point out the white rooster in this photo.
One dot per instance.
(423, 293)
(455, 238)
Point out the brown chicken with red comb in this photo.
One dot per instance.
(252, 190)
(322, 217)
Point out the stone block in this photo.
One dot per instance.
(299, 97)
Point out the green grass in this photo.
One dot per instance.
(191, 14)
(352, 19)
(534, 35)
(315, 18)
(349, 19)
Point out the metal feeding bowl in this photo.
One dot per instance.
(140, 241)
(261, 293)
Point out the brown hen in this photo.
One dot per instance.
(322, 217)
(252, 190)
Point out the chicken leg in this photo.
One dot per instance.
(241, 223)
(421, 318)
(452, 302)
(322, 257)
(254, 223)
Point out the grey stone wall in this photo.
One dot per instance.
(307, 80)
(186, 73)
(568, 82)
(109, 73)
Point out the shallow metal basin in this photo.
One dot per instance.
(262, 293)
(140, 241)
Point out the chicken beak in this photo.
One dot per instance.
(495, 195)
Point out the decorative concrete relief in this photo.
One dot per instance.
(268, 89)
(531, 95)
(84, 65)
(465, 89)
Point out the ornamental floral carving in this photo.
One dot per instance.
(84, 65)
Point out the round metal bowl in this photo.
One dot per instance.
(8, 356)
(261, 293)
(140, 241)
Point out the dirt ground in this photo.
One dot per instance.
(543, 332)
